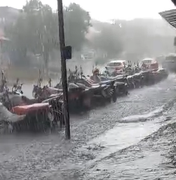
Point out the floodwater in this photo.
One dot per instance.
(132, 139)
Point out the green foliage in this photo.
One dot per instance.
(77, 22)
(136, 39)
(36, 29)
(108, 41)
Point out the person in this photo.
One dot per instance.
(95, 77)
(138, 64)
(136, 69)
(107, 72)
(49, 82)
(117, 72)
(144, 66)
(129, 64)
(128, 68)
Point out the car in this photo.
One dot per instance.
(116, 65)
(169, 62)
(149, 63)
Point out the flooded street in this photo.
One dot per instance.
(131, 139)
(100, 53)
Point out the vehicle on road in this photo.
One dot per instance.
(149, 63)
(118, 65)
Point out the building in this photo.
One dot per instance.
(8, 15)
(169, 61)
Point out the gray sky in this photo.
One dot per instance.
(112, 9)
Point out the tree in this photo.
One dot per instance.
(139, 37)
(40, 19)
(36, 30)
(77, 22)
(33, 32)
(17, 47)
(108, 41)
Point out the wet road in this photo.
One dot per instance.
(131, 139)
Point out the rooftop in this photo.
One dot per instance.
(169, 16)
(118, 60)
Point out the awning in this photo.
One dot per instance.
(174, 1)
(169, 16)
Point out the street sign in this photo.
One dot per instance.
(67, 52)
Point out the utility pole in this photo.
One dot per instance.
(0, 51)
(63, 68)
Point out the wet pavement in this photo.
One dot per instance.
(131, 139)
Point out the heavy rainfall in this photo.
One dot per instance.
(121, 90)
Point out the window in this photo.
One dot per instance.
(115, 64)
(147, 61)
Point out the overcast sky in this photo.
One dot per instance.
(110, 9)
